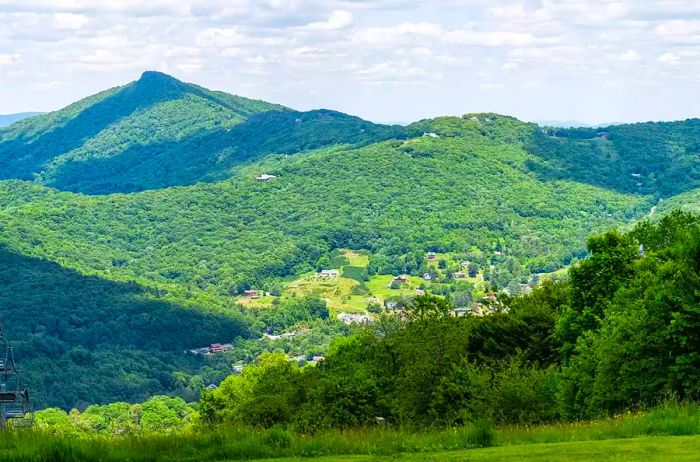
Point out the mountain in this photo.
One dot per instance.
(158, 132)
(113, 287)
(9, 119)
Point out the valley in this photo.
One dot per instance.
(196, 229)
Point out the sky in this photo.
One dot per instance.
(592, 61)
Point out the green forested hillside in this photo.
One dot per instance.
(159, 132)
(661, 158)
(155, 108)
(130, 220)
(9, 119)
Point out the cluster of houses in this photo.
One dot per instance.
(354, 318)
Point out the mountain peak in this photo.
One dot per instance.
(156, 75)
(160, 85)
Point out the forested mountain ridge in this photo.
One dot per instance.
(85, 262)
(158, 132)
(9, 119)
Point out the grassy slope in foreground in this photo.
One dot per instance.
(661, 449)
(670, 429)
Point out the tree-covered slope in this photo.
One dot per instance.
(9, 119)
(661, 158)
(87, 339)
(155, 108)
(467, 190)
(159, 132)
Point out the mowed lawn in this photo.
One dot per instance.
(647, 449)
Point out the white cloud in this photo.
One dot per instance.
(280, 50)
(630, 56)
(6, 59)
(338, 19)
(393, 71)
(70, 21)
(399, 34)
(669, 58)
(679, 31)
(492, 38)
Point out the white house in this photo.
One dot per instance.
(331, 273)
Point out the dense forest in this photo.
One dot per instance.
(619, 334)
(130, 221)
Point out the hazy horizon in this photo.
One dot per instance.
(396, 60)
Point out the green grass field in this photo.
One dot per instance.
(670, 432)
(650, 449)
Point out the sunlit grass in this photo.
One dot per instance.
(228, 443)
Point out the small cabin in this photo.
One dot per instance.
(459, 312)
(401, 278)
(460, 275)
(251, 293)
(216, 348)
(431, 256)
(265, 177)
(420, 292)
(332, 273)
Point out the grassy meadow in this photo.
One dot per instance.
(670, 432)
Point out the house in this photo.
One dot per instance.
(251, 293)
(373, 300)
(332, 273)
(431, 135)
(427, 277)
(238, 368)
(211, 387)
(420, 292)
(391, 305)
(318, 358)
(498, 253)
(431, 256)
(216, 348)
(464, 264)
(265, 177)
(459, 312)
(352, 318)
(491, 296)
(460, 275)
(402, 278)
